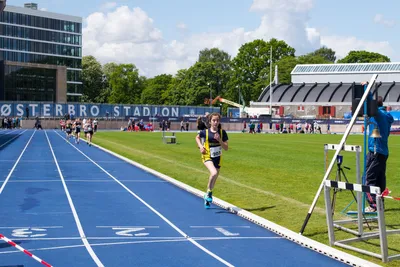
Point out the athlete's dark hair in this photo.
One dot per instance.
(213, 115)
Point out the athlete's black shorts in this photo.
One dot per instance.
(77, 130)
(216, 161)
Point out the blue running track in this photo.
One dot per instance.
(74, 205)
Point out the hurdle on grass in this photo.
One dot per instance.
(345, 135)
(357, 149)
(10, 242)
(381, 233)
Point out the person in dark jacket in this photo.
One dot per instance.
(378, 153)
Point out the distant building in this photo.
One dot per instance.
(40, 55)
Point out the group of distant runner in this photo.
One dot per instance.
(73, 128)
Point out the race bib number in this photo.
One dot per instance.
(215, 152)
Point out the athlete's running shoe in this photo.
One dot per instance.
(206, 203)
(209, 196)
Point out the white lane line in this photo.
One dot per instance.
(140, 242)
(49, 161)
(97, 238)
(77, 221)
(128, 226)
(154, 210)
(17, 227)
(15, 165)
(84, 181)
(219, 226)
(8, 141)
(145, 238)
(99, 244)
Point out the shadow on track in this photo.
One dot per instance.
(7, 139)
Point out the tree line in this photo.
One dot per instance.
(215, 70)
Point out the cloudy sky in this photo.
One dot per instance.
(161, 36)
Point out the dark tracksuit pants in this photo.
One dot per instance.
(375, 174)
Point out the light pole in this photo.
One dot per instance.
(210, 100)
(238, 87)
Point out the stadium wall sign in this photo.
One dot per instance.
(16, 109)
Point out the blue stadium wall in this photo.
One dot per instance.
(15, 109)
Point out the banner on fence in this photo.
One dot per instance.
(16, 109)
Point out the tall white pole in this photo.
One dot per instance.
(270, 82)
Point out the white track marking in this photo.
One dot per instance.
(39, 161)
(15, 227)
(15, 165)
(128, 226)
(140, 242)
(77, 221)
(144, 238)
(8, 141)
(154, 210)
(98, 238)
(218, 226)
(226, 232)
(85, 181)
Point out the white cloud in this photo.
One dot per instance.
(125, 35)
(344, 44)
(108, 5)
(282, 5)
(379, 19)
(182, 26)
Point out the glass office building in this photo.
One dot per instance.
(42, 55)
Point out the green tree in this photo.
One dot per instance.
(126, 85)
(327, 53)
(175, 93)
(252, 63)
(91, 78)
(221, 58)
(153, 92)
(105, 93)
(364, 57)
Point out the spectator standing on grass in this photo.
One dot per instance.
(182, 125)
(95, 122)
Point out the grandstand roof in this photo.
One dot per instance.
(348, 68)
(324, 93)
(345, 73)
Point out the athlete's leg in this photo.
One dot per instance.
(213, 174)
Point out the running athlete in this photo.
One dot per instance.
(77, 131)
(68, 129)
(89, 131)
(215, 139)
